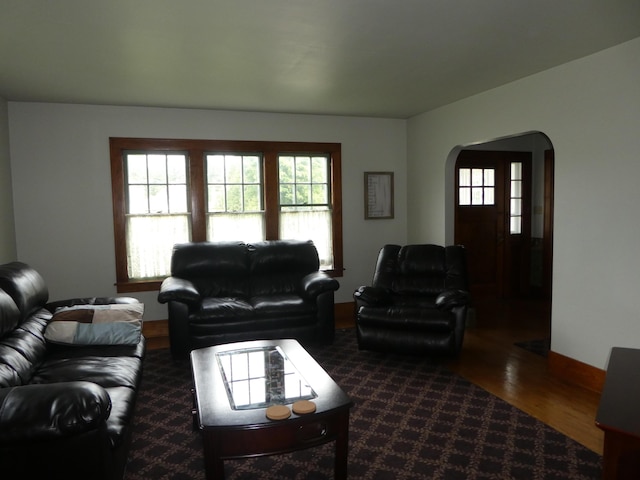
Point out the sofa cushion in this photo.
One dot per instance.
(123, 401)
(22, 350)
(116, 324)
(108, 372)
(271, 306)
(421, 270)
(25, 286)
(9, 313)
(221, 309)
(216, 269)
(414, 320)
(278, 266)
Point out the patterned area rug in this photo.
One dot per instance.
(412, 419)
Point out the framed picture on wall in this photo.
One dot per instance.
(378, 195)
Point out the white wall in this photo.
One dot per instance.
(62, 183)
(590, 110)
(7, 231)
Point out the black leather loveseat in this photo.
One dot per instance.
(66, 408)
(221, 292)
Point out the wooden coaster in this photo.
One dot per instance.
(303, 407)
(278, 412)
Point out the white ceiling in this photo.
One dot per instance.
(385, 58)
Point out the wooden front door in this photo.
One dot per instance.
(493, 220)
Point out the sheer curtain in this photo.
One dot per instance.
(150, 241)
(246, 227)
(310, 225)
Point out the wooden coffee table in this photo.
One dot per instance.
(234, 384)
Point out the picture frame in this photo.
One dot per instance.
(378, 195)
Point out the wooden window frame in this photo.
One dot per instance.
(196, 151)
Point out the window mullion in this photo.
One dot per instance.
(272, 194)
(335, 185)
(197, 196)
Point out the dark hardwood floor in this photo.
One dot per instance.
(491, 360)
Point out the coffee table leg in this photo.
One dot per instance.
(342, 447)
(213, 464)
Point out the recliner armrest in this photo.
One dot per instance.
(178, 290)
(373, 296)
(316, 283)
(50, 411)
(452, 298)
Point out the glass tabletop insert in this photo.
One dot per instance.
(261, 377)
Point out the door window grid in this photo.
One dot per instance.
(476, 186)
(515, 210)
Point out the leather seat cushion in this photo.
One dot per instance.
(401, 318)
(122, 409)
(221, 308)
(282, 305)
(107, 372)
(226, 310)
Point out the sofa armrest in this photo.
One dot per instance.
(176, 289)
(51, 411)
(316, 283)
(372, 296)
(452, 298)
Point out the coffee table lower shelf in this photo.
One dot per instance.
(278, 437)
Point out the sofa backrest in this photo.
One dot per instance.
(23, 320)
(421, 269)
(277, 266)
(25, 286)
(9, 314)
(215, 268)
(237, 269)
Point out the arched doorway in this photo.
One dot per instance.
(500, 206)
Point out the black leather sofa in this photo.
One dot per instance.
(222, 292)
(417, 302)
(66, 411)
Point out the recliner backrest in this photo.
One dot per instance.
(424, 269)
(421, 270)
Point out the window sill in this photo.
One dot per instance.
(139, 286)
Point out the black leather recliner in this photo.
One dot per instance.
(222, 292)
(417, 303)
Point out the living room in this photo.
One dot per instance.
(55, 188)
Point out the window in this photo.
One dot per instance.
(173, 191)
(305, 202)
(157, 213)
(515, 203)
(476, 186)
(235, 209)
